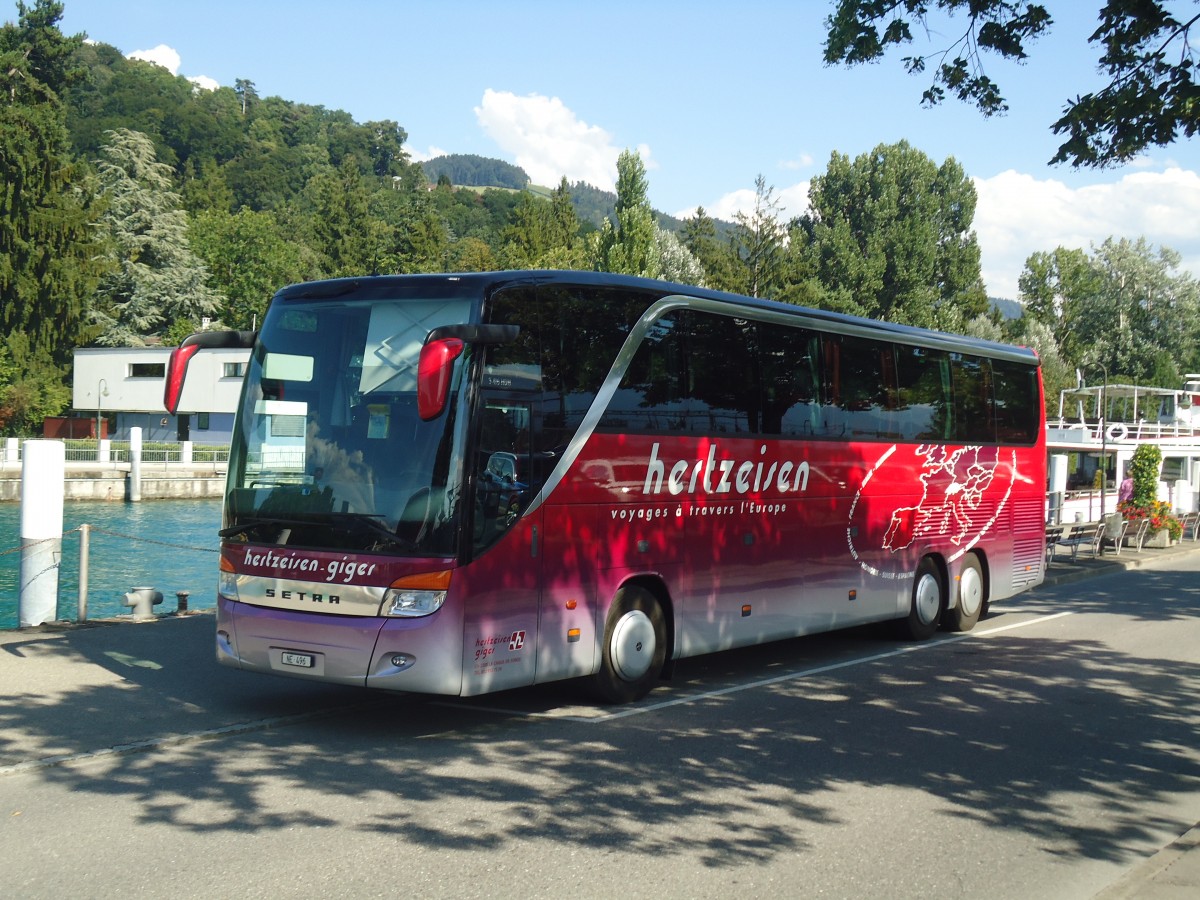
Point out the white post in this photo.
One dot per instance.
(12, 452)
(185, 453)
(42, 476)
(104, 452)
(85, 531)
(135, 464)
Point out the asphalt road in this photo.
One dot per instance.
(1043, 755)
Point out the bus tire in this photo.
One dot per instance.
(972, 595)
(926, 604)
(635, 647)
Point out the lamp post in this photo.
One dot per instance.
(1103, 439)
(101, 393)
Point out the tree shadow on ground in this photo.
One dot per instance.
(1005, 731)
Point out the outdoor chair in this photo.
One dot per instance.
(1191, 523)
(1139, 536)
(1114, 533)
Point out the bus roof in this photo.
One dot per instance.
(381, 286)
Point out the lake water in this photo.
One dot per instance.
(168, 544)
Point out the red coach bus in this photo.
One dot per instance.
(457, 484)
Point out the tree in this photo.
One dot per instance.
(674, 261)
(246, 93)
(48, 252)
(1140, 320)
(1124, 307)
(628, 246)
(759, 240)
(32, 385)
(563, 224)
(717, 258)
(1150, 99)
(348, 238)
(156, 281)
(1051, 285)
(889, 236)
(249, 258)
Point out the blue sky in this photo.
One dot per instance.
(712, 94)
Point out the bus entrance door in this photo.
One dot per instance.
(504, 576)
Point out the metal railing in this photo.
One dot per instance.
(117, 453)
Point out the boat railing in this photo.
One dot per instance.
(1126, 431)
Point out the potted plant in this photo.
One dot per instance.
(1165, 527)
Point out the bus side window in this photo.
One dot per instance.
(1016, 399)
(722, 376)
(974, 419)
(861, 395)
(922, 378)
(789, 359)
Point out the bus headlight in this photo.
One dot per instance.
(412, 603)
(227, 580)
(416, 595)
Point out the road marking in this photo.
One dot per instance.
(974, 634)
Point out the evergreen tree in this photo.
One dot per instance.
(718, 258)
(48, 265)
(563, 226)
(157, 282)
(32, 385)
(760, 243)
(348, 239)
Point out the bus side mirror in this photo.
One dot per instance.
(182, 355)
(436, 365)
(433, 375)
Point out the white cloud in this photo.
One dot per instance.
(425, 155)
(548, 140)
(793, 201)
(169, 59)
(1018, 214)
(803, 161)
(162, 55)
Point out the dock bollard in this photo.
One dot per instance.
(182, 597)
(142, 601)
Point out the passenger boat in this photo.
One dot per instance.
(1108, 423)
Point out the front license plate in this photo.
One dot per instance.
(300, 660)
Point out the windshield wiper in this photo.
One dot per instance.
(349, 522)
(346, 523)
(259, 522)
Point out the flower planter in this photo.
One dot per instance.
(1158, 539)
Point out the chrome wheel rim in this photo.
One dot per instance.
(928, 599)
(970, 592)
(633, 645)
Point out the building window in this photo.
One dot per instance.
(202, 421)
(234, 370)
(147, 370)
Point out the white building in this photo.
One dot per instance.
(128, 382)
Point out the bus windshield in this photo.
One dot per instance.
(331, 451)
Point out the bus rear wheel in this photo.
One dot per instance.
(928, 601)
(971, 596)
(635, 646)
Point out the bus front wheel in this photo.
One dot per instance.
(971, 596)
(635, 646)
(928, 601)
